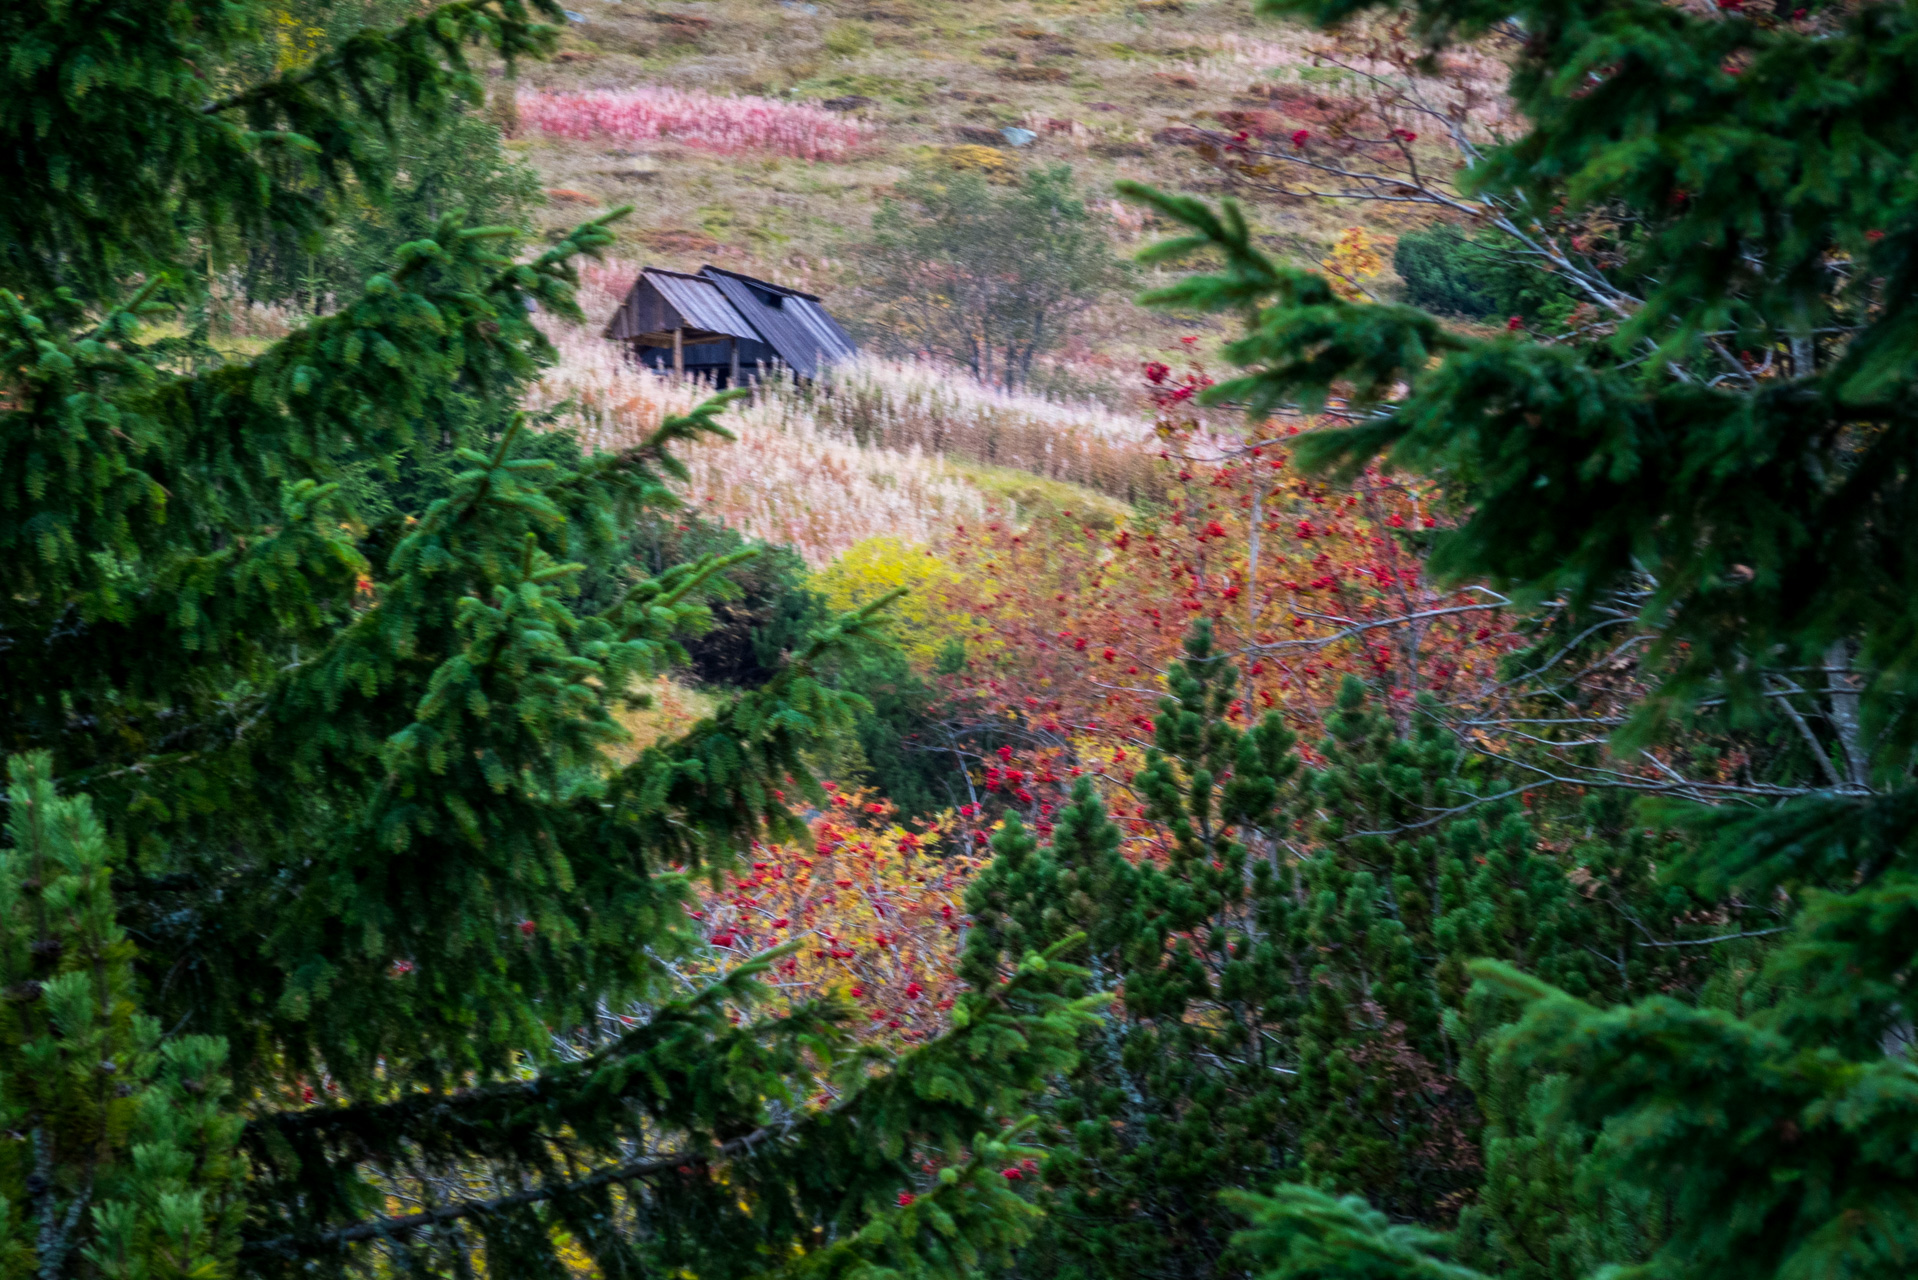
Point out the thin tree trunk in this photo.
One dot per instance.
(1843, 693)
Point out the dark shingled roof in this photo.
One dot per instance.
(792, 323)
(661, 301)
(771, 321)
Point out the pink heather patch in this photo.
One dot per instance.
(695, 119)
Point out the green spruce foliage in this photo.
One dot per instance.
(332, 940)
(1454, 274)
(455, 162)
(86, 1077)
(1181, 1096)
(1731, 451)
(1292, 948)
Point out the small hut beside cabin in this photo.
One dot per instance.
(718, 323)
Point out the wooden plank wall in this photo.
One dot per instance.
(645, 311)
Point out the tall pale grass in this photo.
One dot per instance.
(603, 284)
(786, 479)
(696, 119)
(270, 320)
(932, 409)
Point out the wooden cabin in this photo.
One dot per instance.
(716, 323)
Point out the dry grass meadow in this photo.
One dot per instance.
(886, 85)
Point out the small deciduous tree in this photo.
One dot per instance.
(983, 275)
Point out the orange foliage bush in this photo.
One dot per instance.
(879, 908)
(1304, 583)
(1070, 626)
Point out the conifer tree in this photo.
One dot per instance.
(315, 853)
(1733, 449)
(1177, 1097)
(1347, 957)
(83, 1072)
(1375, 1104)
(1394, 1099)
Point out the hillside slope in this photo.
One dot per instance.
(823, 107)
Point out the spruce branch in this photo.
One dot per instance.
(1022, 1027)
(738, 985)
(402, 1225)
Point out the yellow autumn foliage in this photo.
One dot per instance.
(296, 41)
(990, 161)
(926, 620)
(1352, 260)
